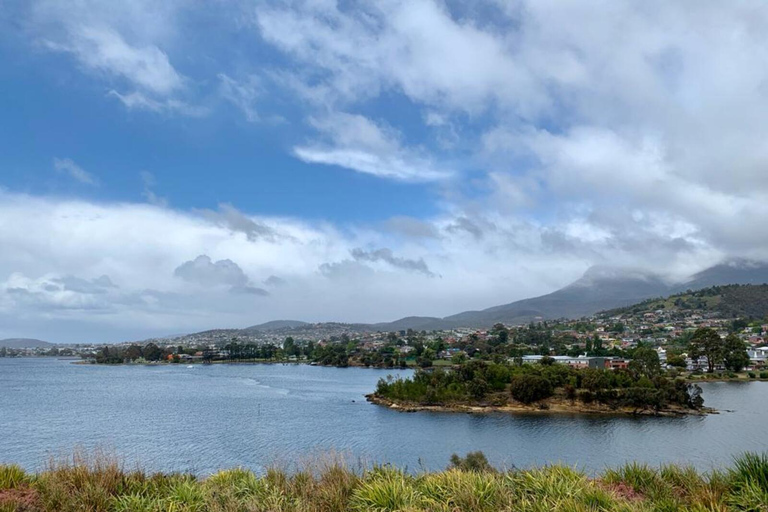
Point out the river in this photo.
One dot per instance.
(204, 418)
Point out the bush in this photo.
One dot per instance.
(473, 461)
(530, 388)
(764, 375)
(752, 375)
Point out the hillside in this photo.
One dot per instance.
(599, 289)
(730, 301)
(24, 343)
(276, 325)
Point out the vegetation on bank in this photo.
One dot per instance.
(642, 387)
(469, 484)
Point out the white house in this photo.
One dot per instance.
(758, 355)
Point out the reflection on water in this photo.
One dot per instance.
(208, 417)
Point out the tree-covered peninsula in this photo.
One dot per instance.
(642, 388)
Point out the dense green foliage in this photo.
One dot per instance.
(492, 383)
(530, 388)
(731, 352)
(470, 484)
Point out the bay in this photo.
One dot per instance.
(205, 418)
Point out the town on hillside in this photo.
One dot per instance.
(608, 339)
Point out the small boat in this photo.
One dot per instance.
(190, 366)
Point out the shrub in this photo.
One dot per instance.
(530, 388)
(473, 461)
(764, 375)
(752, 375)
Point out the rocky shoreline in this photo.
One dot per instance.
(551, 406)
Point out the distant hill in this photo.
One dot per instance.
(599, 288)
(417, 323)
(25, 343)
(737, 271)
(275, 325)
(730, 301)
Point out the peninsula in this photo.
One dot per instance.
(544, 387)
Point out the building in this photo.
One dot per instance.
(758, 356)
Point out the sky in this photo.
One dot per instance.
(168, 167)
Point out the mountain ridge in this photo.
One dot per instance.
(599, 289)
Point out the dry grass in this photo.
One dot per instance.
(96, 482)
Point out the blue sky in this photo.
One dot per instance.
(53, 109)
(181, 165)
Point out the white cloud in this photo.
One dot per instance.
(355, 142)
(102, 49)
(120, 43)
(243, 94)
(65, 165)
(202, 270)
(57, 252)
(138, 100)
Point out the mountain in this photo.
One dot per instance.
(275, 325)
(24, 343)
(598, 289)
(601, 288)
(737, 271)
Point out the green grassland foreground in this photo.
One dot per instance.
(100, 484)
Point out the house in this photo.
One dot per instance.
(616, 363)
(758, 356)
(574, 362)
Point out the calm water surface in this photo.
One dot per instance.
(205, 418)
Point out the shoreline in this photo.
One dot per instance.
(251, 362)
(552, 407)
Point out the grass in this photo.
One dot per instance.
(98, 483)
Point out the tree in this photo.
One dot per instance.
(735, 357)
(676, 360)
(132, 353)
(706, 342)
(152, 352)
(530, 388)
(646, 362)
(500, 335)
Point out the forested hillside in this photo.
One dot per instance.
(731, 301)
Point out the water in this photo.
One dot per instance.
(200, 419)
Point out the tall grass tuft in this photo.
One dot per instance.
(385, 489)
(12, 477)
(749, 482)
